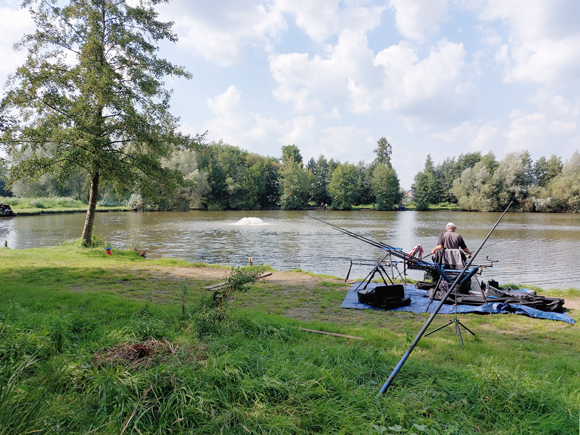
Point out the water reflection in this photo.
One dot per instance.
(532, 248)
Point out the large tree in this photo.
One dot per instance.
(386, 187)
(343, 186)
(91, 90)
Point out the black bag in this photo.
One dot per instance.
(384, 296)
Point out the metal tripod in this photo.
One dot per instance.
(455, 321)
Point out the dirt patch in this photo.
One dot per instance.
(131, 355)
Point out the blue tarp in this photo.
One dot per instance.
(419, 305)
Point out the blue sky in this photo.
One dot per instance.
(434, 76)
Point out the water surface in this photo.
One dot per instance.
(532, 248)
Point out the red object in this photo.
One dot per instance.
(108, 251)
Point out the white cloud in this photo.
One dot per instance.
(544, 42)
(432, 88)
(221, 31)
(557, 105)
(13, 25)
(463, 131)
(322, 19)
(489, 36)
(485, 138)
(562, 127)
(238, 126)
(480, 138)
(417, 19)
(344, 77)
(396, 79)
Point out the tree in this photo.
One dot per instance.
(386, 187)
(342, 186)
(364, 186)
(383, 152)
(546, 170)
(3, 176)
(92, 88)
(295, 185)
(426, 188)
(291, 153)
(562, 194)
(322, 171)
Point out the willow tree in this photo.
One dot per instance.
(91, 92)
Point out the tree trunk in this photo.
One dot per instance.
(90, 219)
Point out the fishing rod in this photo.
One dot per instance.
(451, 288)
(397, 252)
(351, 234)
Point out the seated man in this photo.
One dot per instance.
(447, 250)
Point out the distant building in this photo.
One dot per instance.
(408, 196)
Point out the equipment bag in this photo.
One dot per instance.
(384, 296)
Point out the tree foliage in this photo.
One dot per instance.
(237, 179)
(291, 153)
(3, 177)
(295, 185)
(92, 88)
(386, 187)
(426, 186)
(342, 186)
(384, 150)
(322, 171)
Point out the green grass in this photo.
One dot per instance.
(253, 371)
(31, 206)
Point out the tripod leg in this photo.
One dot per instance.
(349, 269)
(438, 329)
(383, 269)
(465, 327)
(458, 330)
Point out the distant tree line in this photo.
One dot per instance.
(481, 183)
(219, 176)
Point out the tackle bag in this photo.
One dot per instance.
(384, 296)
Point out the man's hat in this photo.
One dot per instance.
(450, 225)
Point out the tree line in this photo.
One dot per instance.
(479, 182)
(218, 176)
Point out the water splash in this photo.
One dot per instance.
(250, 221)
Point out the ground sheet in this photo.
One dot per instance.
(420, 301)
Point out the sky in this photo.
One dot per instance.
(439, 77)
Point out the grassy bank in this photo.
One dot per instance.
(249, 369)
(33, 206)
(440, 206)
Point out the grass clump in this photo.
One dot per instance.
(254, 372)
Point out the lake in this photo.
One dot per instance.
(531, 248)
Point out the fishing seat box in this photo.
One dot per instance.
(384, 296)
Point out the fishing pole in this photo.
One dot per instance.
(451, 288)
(350, 233)
(397, 252)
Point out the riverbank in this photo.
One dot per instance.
(253, 370)
(52, 205)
